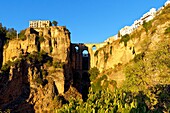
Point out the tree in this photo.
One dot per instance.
(125, 39)
(11, 33)
(54, 23)
(2, 31)
(147, 25)
(94, 72)
(22, 35)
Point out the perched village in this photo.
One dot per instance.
(145, 18)
(42, 71)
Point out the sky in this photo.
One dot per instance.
(89, 21)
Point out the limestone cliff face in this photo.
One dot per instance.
(25, 87)
(116, 52)
(53, 40)
(29, 85)
(113, 54)
(23, 90)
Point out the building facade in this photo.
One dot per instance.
(167, 2)
(145, 18)
(39, 23)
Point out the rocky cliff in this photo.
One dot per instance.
(53, 40)
(143, 40)
(124, 49)
(36, 71)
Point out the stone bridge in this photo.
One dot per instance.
(82, 56)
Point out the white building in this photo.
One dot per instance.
(39, 23)
(167, 2)
(126, 30)
(146, 17)
(112, 38)
(136, 24)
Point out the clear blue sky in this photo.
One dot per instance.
(87, 20)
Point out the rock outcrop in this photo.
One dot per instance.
(37, 71)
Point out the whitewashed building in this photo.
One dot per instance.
(146, 17)
(39, 23)
(167, 2)
(125, 30)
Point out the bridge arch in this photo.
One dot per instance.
(85, 53)
(77, 49)
(94, 47)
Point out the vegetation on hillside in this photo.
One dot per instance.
(54, 23)
(36, 60)
(22, 35)
(146, 88)
(125, 39)
(7, 34)
(94, 72)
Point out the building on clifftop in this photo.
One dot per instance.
(145, 18)
(167, 2)
(39, 23)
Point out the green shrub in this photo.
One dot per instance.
(139, 57)
(120, 101)
(147, 25)
(167, 30)
(5, 67)
(49, 63)
(39, 57)
(153, 31)
(96, 86)
(58, 64)
(105, 84)
(113, 83)
(125, 39)
(41, 39)
(11, 33)
(22, 35)
(5, 111)
(39, 80)
(94, 72)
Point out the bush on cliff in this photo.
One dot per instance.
(94, 72)
(21, 35)
(58, 64)
(167, 30)
(125, 39)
